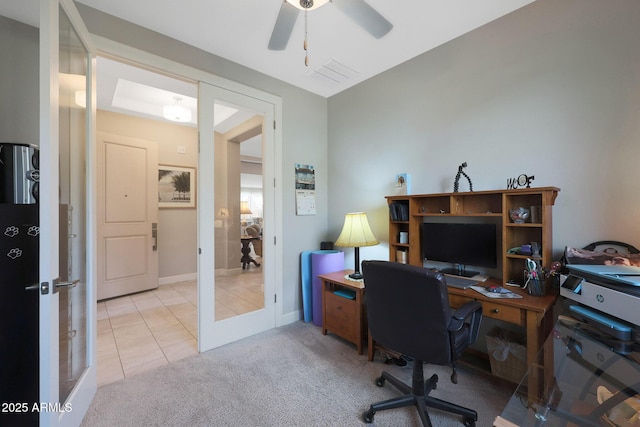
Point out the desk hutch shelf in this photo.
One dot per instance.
(408, 212)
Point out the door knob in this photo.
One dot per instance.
(42, 287)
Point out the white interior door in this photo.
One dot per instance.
(67, 308)
(127, 215)
(224, 263)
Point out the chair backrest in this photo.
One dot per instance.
(408, 310)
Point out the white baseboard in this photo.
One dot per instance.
(175, 279)
(285, 319)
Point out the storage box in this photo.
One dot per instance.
(507, 354)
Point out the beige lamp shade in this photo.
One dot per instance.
(356, 231)
(244, 208)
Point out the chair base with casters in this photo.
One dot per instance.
(418, 395)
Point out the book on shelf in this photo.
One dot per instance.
(399, 211)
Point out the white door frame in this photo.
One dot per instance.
(82, 394)
(119, 51)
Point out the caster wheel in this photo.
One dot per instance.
(380, 381)
(367, 416)
(468, 422)
(400, 361)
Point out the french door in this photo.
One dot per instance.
(67, 310)
(237, 291)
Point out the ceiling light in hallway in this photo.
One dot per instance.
(176, 112)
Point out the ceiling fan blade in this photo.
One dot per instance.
(283, 27)
(365, 16)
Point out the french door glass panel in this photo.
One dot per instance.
(67, 309)
(238, 233)
(236, 266)
(72, 237)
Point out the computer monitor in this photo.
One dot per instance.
(465, 244)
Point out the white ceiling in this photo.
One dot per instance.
(239, 30)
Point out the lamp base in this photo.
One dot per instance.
(356, 276)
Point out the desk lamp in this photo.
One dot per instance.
(244, 210)
(355, 233)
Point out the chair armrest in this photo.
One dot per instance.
(470, 313)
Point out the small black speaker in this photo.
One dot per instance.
(326, 246)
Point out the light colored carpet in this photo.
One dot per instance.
(288, 376)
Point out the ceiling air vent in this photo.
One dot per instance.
(334, 72)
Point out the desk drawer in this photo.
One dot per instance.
(491, 309)
(457, 301)
(503, 312)
(340, 316)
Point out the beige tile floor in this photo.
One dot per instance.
(142, 331)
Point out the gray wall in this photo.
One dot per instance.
(19, 107)
(551, 90)
(304, 127)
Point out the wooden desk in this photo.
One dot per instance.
(342, 316)
(535, 314)
(347, 318)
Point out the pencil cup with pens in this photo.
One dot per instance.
(534, 279)
(538, 280)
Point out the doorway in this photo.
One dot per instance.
(144, 330)
(138, 331)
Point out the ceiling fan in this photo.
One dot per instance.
(358, 10)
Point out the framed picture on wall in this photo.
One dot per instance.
(176, 187)
(403, 184)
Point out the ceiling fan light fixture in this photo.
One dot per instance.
(307, 4)
(176, 112)
(358, 10)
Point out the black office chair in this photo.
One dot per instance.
(408, 312)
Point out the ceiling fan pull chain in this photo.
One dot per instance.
(306, 51)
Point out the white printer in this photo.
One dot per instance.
(606, 297)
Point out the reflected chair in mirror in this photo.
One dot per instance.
(408, 312)
(256, 231)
